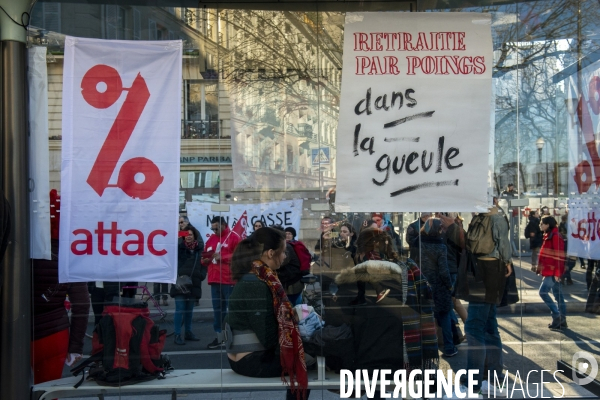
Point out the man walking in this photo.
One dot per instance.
(510, 194)
(217, 257)
(488, 242)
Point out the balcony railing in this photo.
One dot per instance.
(199, 129)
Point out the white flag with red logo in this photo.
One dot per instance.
(121, 121)
(241, 225)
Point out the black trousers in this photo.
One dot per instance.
(162, 288)
(261, 364)
(589, 273)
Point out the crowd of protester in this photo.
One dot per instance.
(360, 263)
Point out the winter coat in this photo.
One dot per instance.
(188, 263)
(454, 238)
(552, 254)
(482, 281)
(220, 271)
(413, 233)
(334, 258)
(289, 273)
(434, 265)
(376, 329)
(49, 313)
(533, 226)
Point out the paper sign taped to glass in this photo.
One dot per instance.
(415, 112)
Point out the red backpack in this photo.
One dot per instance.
(303, 254)
(126, 348)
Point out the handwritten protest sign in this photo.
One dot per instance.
(414, 127)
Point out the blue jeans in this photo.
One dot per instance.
(484, 344)
(444, 320)
(550, 284)
(220, 301)
(184, 308)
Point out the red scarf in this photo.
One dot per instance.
(191, 245)
(290, 345)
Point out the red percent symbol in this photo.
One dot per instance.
(138, 177)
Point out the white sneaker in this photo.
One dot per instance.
(464, 390)
(489, 391)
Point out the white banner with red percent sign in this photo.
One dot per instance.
(584, 163)
(285, 213)
(121, 121)
(415, 112)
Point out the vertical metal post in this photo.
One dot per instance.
(15, 369)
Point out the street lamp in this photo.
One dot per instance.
(540, 145)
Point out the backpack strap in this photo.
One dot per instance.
(83, 365)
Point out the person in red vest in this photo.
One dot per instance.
(217, 257)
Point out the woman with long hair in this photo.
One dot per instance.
(188, 264)
(265, 340)
(551, 265)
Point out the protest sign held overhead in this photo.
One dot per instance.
(285, 213)
(120, 160)
(415, 112)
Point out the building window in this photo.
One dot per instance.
(137, 25)
(201, 110)
(151, 29)
(539, 179)
(47, 16)
(114, 17)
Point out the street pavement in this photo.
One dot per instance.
(528, 344)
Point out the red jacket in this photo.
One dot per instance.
(552, 254)
(220, 271)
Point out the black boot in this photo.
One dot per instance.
(563, 322)
(555, 325)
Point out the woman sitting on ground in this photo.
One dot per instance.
(260, 315)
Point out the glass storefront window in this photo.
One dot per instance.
(261, 88)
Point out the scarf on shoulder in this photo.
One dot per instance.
(191, 245)
(290, 344)
(420, 336)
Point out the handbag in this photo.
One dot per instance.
(184, 282)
